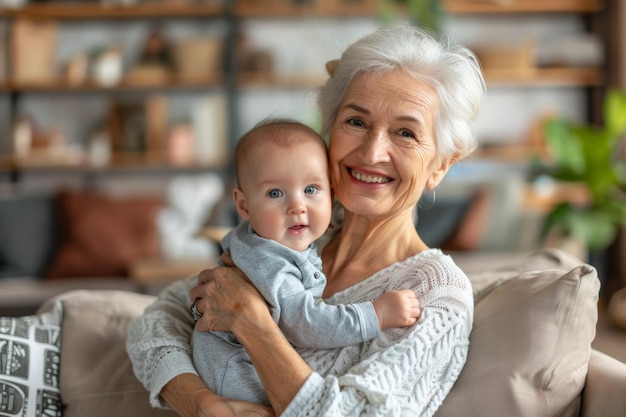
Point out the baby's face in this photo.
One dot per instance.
(287, 193)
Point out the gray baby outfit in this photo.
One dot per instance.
(292, 283)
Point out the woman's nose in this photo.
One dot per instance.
(375, 147)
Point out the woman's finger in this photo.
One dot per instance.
(205, 275)
(226, 259)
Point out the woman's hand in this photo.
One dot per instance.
(225, 297)
(189, 397)
(234, 408)
(223, 407)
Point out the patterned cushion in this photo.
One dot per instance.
(30, 364)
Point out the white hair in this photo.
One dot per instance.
(452, 70)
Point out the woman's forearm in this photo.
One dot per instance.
(281, 370)
(186, 394)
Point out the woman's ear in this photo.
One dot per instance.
(241, 203)
(438, 174)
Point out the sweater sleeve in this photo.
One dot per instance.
(409, 377)
(158, 341)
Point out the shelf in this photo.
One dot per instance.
(93, 10)
(249, 80)
(61, 87)
(556, 77)
(522, 6)
(75, 10)
(156, 270)
(370, 8)
(121, 164)
(234, 12)
(328, 8)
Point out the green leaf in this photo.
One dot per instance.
(589, 155)
(615, 113)
(564, 147)
(594, 227)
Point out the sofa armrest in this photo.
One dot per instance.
(603, 395)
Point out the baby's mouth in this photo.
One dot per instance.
(370, 179)
(298, 229)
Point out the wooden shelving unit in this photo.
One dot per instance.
(238, 11)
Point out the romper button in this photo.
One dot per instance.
(316, 275)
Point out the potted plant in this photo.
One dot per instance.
(425, 13)
(593, 157)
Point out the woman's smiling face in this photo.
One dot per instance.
(382, 146)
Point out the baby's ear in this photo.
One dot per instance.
(241, 203)
(331, 67)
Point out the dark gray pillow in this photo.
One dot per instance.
(28, 234)
(437, 223)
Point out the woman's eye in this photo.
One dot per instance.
(311, 189)
(407, 134)
(275, 193)
(356, 122)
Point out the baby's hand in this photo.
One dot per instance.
(397, 309)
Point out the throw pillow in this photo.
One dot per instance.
(96, 374)
(30, 364)
(101, 235)
(28, 234)
(530, 345)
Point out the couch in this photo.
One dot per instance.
(530, 349)
(52, 242)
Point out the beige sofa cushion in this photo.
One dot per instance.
(531, 341)
(96, 374)
(605, 387)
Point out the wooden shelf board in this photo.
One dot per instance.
(372, 9)
(561, 76)
(522, 6)
(120, 163)
(249, 80)
(76, 10)
(557, 76)
(365, 8)
(154, 270)
(59, 86)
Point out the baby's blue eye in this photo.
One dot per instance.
(275, 193)
(311, 189)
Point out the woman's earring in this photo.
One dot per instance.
(420, 203)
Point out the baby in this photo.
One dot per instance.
(283, 194)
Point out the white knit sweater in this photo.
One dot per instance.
(404, 372)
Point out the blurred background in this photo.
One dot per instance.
(118, 117)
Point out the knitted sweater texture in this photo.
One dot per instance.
(404, 372)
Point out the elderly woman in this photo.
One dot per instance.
(397, 111)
